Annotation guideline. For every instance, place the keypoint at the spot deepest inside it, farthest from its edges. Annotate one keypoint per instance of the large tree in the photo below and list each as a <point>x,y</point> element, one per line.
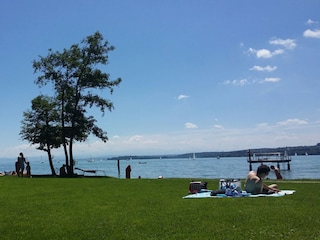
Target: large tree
<point>40,125</point>
<point>77,78</point>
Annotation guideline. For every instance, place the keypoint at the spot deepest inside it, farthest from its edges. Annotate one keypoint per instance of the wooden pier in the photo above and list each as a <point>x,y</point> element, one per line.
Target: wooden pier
<point>274,157</point>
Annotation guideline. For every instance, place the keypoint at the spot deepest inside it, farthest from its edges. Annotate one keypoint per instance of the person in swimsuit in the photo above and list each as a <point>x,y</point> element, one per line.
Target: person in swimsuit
<point>254,181</point>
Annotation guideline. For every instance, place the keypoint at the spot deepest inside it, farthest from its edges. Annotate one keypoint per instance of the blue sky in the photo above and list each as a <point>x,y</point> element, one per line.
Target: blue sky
<point>197,75</point>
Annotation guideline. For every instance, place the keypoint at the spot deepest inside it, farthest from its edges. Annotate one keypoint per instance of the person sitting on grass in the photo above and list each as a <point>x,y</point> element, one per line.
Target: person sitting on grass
<point>254,183</point>
<point>63,172</point>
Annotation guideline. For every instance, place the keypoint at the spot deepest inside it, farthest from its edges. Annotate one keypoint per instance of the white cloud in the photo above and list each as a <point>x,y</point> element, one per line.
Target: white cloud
<point>216,126</point>
<point>252,51</point>
<point>243,82</point>
<point>311,33</point>
<point>265,53</point>
<point>115,137</point>
<point>271,79</point>
<point>136,141</point>
<point>286,43</point>
<point>136,138</point>
<point>310,22</point>
<point>263,69</point>
<point>277,52</point>
<point>290,132</point>
<point>262,125</point>
<point>27,149</point>
<point>190,125</point>
<point>182,97</point>
<point>293,121</point>
<point>240,82</point>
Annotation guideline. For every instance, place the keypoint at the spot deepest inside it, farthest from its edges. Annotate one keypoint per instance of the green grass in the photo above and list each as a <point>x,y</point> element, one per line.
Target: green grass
<point>107,208</point>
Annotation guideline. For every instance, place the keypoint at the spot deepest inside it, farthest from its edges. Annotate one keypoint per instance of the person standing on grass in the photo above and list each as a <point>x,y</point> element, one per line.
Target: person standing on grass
<point>128,172</point>
<point>254,181</point>
<point>277,172</point>
<point>20,164</point>
<point>28,168</point>
<point>16,167</point>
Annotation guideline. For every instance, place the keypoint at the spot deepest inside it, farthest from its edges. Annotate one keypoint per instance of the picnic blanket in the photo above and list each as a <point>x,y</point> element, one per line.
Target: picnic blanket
<point>207,194</point>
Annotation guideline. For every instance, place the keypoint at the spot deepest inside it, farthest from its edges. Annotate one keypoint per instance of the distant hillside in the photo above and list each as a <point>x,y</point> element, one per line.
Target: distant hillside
<point>300,150</point>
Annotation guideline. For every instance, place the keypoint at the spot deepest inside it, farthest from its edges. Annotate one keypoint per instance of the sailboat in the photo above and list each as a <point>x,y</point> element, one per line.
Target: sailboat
<point>90,159</point>
<point>194,156</point>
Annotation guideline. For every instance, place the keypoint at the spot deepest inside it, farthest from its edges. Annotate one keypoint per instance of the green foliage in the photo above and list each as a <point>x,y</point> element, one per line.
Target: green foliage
<point>107,208</point>
<point>76,78</point>
<point>39,125</point>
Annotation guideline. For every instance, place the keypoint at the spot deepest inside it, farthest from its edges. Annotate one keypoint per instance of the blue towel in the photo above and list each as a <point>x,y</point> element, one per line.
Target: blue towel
<point>244,194</point>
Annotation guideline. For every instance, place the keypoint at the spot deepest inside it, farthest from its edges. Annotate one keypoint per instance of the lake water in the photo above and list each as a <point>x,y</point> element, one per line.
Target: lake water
<point>302,167</point>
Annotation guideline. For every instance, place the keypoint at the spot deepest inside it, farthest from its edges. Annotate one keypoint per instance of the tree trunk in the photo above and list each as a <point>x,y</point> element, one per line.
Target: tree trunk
<point>71,172</point>
<point>66,153</point>
<point>53,171</point>
<point>63,132</point>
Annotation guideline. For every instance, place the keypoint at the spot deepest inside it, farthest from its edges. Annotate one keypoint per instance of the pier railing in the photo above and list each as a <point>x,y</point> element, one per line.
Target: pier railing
<point>274,157</point>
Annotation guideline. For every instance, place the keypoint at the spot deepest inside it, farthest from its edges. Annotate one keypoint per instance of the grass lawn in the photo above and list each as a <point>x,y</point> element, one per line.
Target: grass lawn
<point>108,208</point>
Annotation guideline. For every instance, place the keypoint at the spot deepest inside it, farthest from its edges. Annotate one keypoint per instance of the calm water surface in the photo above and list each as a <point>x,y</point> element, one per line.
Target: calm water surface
<point>199,168</point>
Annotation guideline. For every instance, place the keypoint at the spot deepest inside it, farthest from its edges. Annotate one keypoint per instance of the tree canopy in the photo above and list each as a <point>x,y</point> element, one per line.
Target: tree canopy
<point>76,77</point>
<point>41,126</point>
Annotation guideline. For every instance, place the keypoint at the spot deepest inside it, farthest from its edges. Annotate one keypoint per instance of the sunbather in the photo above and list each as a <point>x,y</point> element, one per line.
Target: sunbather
<point>254,183</point>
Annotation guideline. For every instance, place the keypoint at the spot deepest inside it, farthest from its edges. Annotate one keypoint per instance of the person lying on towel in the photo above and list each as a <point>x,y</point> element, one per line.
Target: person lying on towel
<point>254,181</point>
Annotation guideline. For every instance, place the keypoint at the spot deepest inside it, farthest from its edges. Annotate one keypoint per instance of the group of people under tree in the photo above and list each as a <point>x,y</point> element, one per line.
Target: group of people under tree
<point>21,162</point>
